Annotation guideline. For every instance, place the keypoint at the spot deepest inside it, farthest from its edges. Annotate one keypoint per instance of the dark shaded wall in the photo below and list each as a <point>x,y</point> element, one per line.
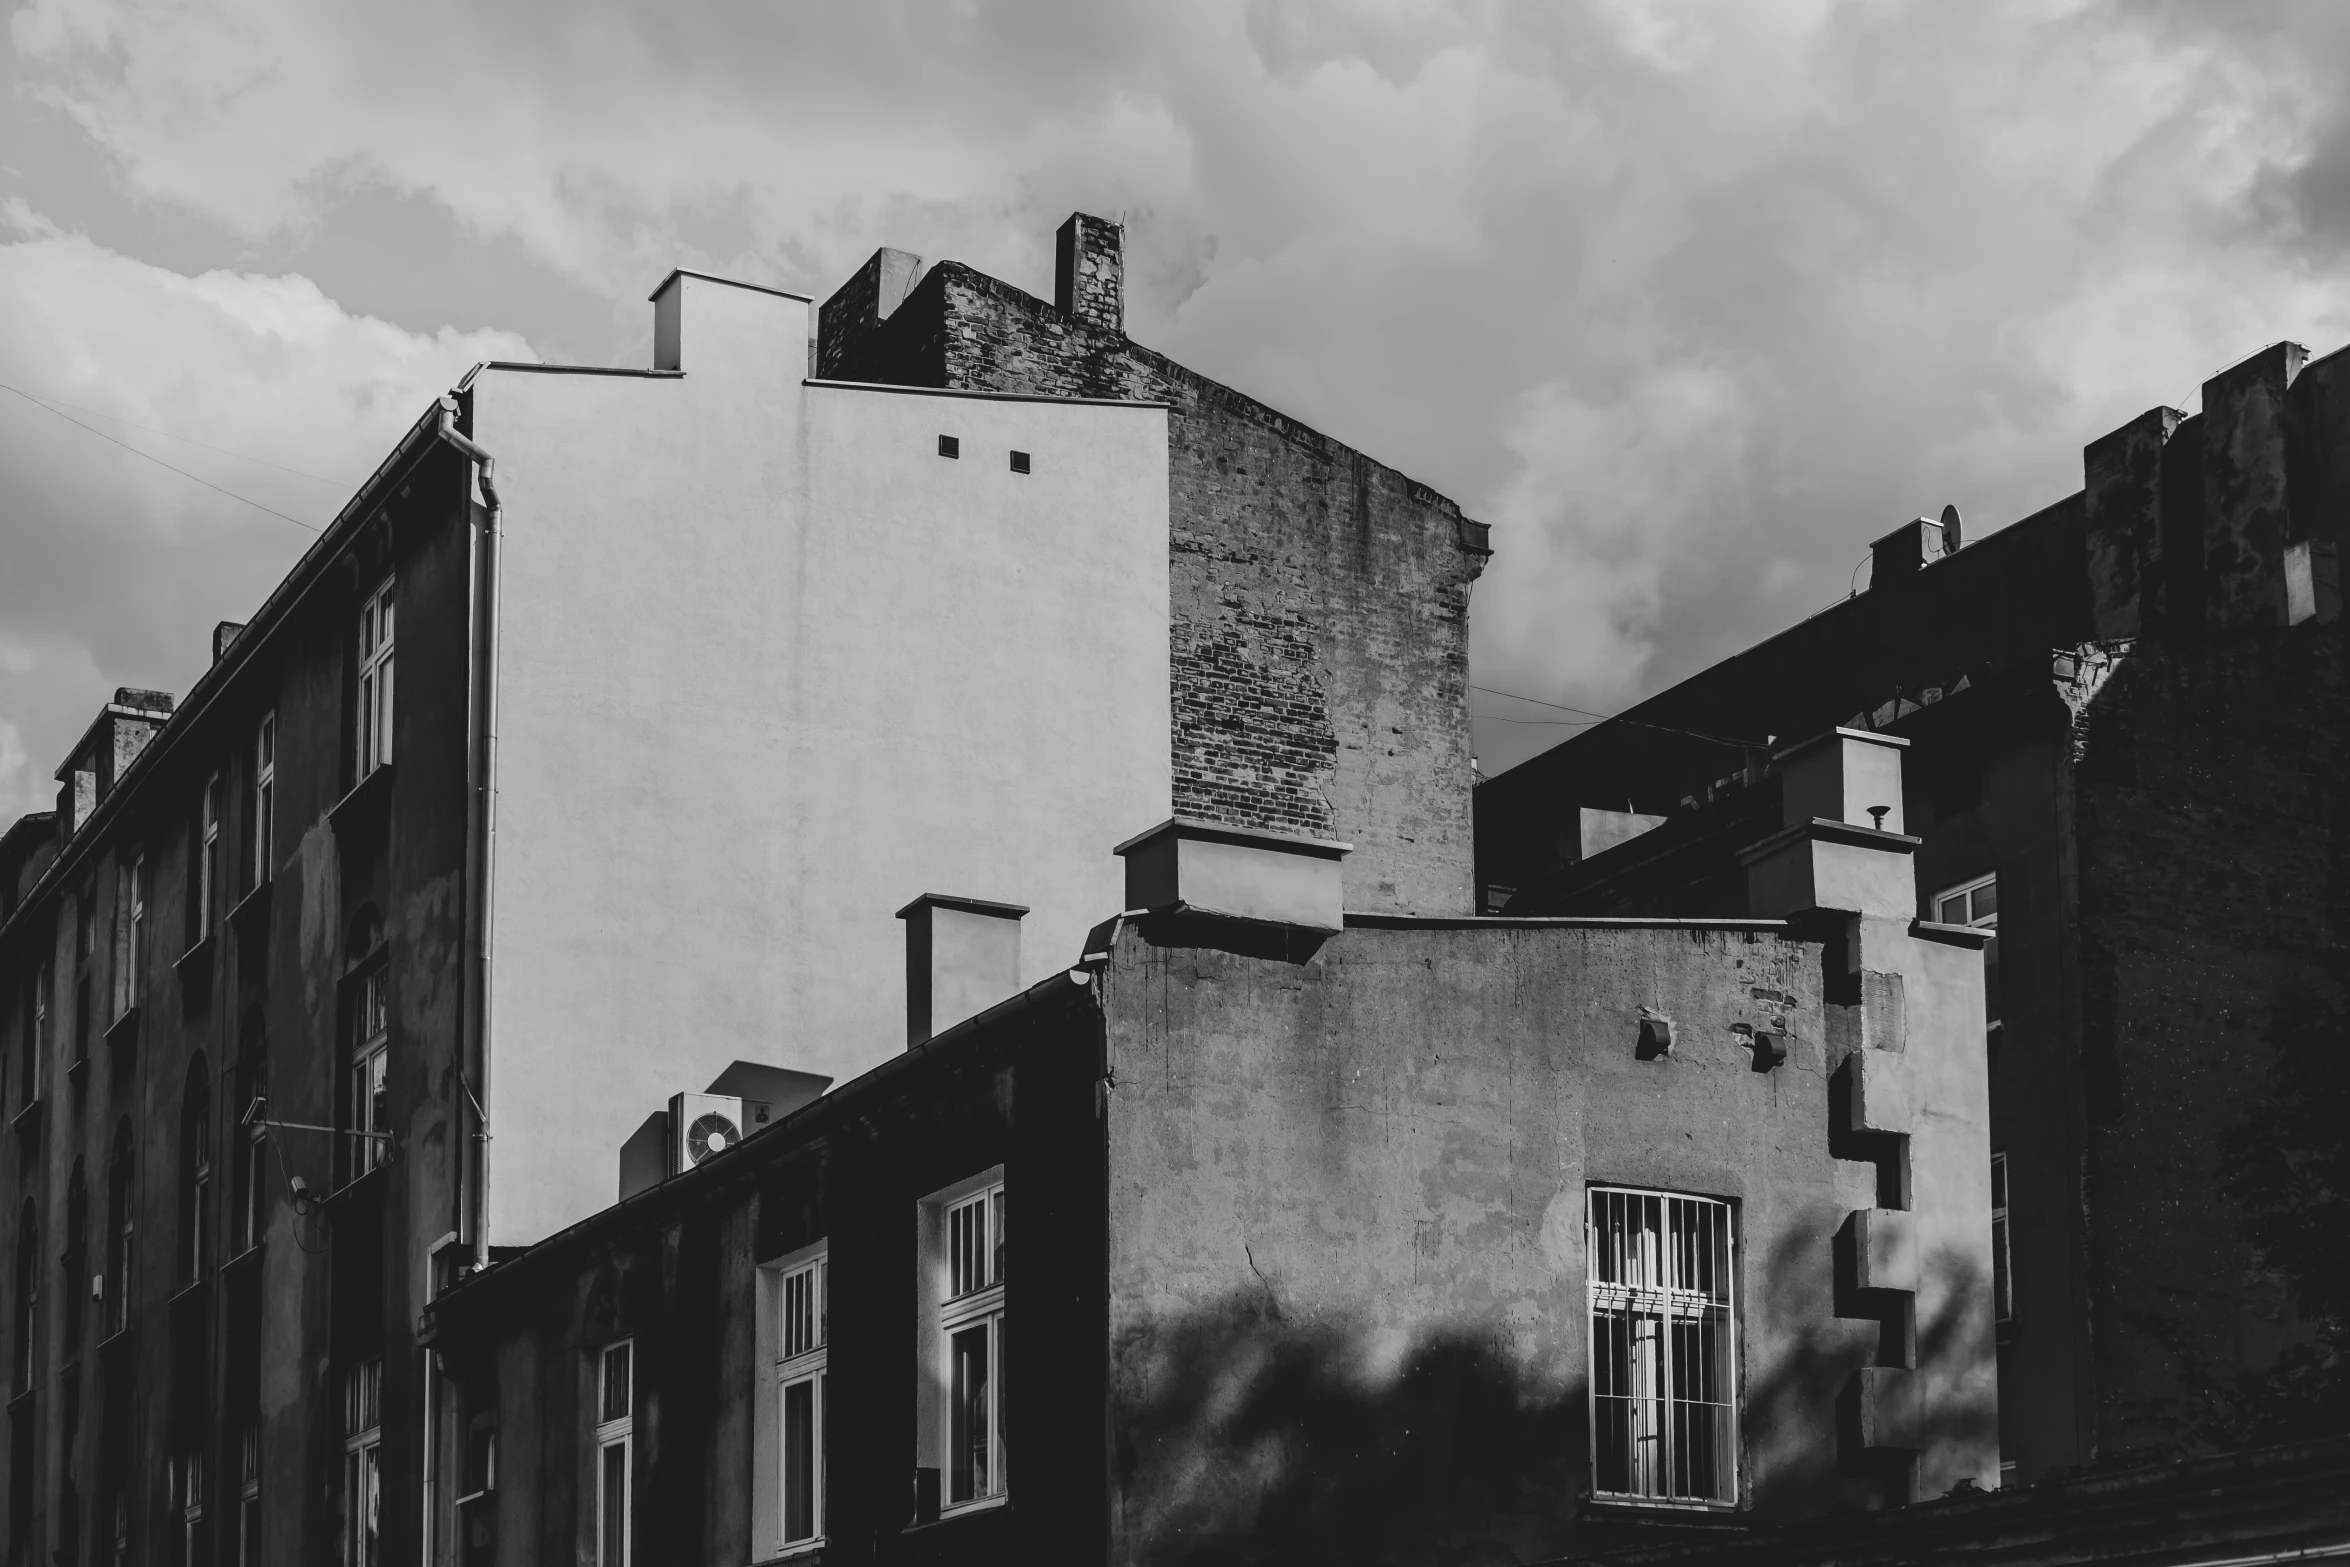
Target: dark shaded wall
<point>1319,598</point>
<point>2212,825</point>
<point>258,1338</point>
<point>1346,1217</point>
<point>676,1269</point>
<point>2192,588</point>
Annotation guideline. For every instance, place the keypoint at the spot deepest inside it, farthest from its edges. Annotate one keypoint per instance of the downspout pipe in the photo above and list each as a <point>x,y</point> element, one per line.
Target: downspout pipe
<point>481,767</point>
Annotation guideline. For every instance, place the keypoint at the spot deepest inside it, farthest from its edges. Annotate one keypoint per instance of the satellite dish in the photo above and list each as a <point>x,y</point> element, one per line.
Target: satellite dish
<point>1949,530</point>
<point>710,1134</point>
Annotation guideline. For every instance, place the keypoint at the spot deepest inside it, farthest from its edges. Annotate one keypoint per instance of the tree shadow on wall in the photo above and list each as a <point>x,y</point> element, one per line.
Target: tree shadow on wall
<point>2285,1165</point>
<point>1260,1440</point>
<point>1246,1437</point>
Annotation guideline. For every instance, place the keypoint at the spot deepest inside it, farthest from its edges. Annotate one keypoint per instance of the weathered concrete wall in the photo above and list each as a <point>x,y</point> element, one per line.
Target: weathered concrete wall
<point>770,667</point>
<point>1319,599</point>
<point>1346,1202</point>
<point>2213,838</point>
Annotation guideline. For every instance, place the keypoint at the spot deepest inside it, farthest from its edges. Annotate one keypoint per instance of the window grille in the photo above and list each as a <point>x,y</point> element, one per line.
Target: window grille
<point>1664,1412</point>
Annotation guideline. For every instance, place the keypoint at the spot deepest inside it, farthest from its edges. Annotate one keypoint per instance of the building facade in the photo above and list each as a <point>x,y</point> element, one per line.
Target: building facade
<point>563,774</point>
<point>2127,725</point>
<point>1360,1237</point>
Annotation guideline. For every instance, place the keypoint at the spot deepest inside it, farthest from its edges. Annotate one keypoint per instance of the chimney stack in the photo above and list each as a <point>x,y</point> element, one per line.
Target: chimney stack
<point>962,957</point>
<point>1089,272</point>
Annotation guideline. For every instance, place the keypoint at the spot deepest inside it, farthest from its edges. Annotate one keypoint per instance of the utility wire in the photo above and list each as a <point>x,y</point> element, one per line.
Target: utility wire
<point>159,462</point>
<point>59,402</point>
<point>1595,717</point>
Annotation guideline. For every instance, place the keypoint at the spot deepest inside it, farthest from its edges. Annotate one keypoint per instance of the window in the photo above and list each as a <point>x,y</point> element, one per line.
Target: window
<point>36,1036</point>
<point>251,1184</point>
<point>1976,903</point>
<point>122,1228</point>
<point>366,1111</point>
<point>363,1387</point>
<point>130,944</point>
<point>2002,1274</point>
<point>196,1176</point>
<point>375,680</point>
<point>798,1296</point>
<point>28,1298</point>
<point>1664,1413</point>
<point>188,1496</point>
<point>263,827</point>
<point>963,1427</point>
<point>615,1427</point>
<point>249,1498</point>
<point>204,874</point>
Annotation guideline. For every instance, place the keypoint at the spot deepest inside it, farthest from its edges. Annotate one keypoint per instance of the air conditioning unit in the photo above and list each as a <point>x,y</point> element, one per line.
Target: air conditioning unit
<point>702,1126</point>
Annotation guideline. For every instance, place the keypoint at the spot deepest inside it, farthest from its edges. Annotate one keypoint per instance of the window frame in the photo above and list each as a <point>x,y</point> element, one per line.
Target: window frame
<point>2002,1256</point>
<point>613,1432</point>
<point>374,687</point>
<point>187,1495</point>
<point>782,1367</point>
<point>262,801</point>
<point>950,1308</point>
<point>204,873</point>
<point>363,1077</point>
<point>363,1463</point>
<point>1633,1299</point>
<point>1992,1010</point>
<point>249,1497</point>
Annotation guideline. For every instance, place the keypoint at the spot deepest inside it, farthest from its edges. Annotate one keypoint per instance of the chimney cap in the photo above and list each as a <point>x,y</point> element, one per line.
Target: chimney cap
<point>940,900</point>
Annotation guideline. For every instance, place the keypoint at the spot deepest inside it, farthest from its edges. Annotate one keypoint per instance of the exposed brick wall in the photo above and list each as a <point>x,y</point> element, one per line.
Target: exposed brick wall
<point>2212,793</point>
<point>1319,599</point>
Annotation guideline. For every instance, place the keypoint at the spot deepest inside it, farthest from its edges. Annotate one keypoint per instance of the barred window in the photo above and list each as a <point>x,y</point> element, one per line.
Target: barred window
<point>1664,1411</point>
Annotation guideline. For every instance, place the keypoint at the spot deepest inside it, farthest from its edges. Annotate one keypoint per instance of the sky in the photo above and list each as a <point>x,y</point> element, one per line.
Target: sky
<point>1688,300</point>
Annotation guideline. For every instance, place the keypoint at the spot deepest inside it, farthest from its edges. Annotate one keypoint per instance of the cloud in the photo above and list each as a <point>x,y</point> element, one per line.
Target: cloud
<point>1691,297</point>
<point>117,568</point>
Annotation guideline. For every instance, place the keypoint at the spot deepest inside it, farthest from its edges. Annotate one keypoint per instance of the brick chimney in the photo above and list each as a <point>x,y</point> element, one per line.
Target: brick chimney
<point>1089,272</point>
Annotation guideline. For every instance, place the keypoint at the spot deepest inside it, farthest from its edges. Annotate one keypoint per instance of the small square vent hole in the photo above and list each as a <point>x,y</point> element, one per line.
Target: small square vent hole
<point>1019,462</point>
<point>949,446</point>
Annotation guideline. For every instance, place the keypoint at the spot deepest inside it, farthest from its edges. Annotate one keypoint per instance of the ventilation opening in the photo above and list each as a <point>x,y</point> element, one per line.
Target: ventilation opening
<point>1019,462</point>
<point>949,446</point>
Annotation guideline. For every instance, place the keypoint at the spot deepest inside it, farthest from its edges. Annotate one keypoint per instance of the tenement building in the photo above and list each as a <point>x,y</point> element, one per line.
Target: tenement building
<point>583,762</point>
<point>1345,1236</point>
<point>2126,717</point>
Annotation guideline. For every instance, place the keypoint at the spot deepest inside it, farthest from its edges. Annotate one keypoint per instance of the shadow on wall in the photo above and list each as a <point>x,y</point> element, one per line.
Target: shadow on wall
<point>2286,1166</point>
<point>1245,1436</point>
<point>1258,1439</point>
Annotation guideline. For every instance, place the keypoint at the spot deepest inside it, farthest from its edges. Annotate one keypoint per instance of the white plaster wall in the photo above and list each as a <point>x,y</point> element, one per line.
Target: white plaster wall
<point>771,667</point>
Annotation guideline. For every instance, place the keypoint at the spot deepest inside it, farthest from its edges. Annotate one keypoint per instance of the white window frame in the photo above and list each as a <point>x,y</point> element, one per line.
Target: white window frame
<point>207,869</point>
<point>363,1464</point>
<point>200,1195</point>
<point>37,1042</point>
<point>611,1432</point>
<point>1663,1265</point>
<point>794,1341</point>
<point>367,1071</point>
<point>373,731</point>
<point>2002,1260</point>
<point>264,799</point>
<point>1988,920</point>
<point>133,951</point>
<point>961,1290</point>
